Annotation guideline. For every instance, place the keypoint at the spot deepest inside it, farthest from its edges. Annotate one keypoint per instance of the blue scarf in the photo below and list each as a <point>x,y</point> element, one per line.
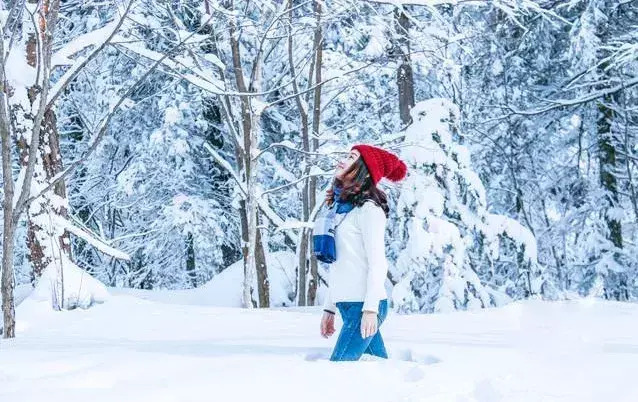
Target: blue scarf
<point>323,238</point>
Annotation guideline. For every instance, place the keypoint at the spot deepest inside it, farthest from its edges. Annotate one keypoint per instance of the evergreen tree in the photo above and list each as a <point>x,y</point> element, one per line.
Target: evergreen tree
<point>450,240</point>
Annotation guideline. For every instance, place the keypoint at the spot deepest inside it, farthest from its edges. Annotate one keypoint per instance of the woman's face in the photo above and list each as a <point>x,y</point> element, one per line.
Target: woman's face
<point>344,164</point>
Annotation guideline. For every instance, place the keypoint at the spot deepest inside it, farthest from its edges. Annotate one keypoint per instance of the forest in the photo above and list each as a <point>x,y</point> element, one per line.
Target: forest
<point>153,144</point>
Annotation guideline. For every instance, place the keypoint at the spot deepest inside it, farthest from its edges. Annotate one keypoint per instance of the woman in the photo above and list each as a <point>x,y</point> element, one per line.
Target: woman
<point>359,268</point>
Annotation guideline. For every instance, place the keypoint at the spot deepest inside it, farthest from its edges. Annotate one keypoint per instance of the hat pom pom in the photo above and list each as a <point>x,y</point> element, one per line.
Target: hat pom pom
<point>399,171</point>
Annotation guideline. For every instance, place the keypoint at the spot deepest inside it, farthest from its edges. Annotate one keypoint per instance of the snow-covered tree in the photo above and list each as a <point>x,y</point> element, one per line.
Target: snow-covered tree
<point>195,133</point>
<point>28,119</point>
<point>449,241</point>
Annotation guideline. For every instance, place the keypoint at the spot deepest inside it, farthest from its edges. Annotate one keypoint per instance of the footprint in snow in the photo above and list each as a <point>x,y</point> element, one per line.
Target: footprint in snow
<point>311,357</point>
<point>413,374</point>
<point>409,355</point>
<point>416,372</point>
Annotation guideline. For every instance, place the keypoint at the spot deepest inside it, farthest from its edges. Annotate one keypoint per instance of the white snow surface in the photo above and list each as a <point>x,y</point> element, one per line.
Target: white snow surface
<point>130,349</point>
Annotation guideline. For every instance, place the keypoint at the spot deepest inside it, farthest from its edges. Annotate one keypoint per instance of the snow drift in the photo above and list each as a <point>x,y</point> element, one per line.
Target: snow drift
<point>225,289</point>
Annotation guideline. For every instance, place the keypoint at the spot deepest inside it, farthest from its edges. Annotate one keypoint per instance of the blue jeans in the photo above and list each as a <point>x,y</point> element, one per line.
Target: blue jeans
<point>350,345</point>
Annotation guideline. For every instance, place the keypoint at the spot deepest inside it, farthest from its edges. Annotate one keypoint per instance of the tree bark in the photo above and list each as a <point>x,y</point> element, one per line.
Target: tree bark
<point>250,148</point>
<point>405,79</point>
<point>263,284</point>
<point>190,260</point>
<point>316,119</point>
<point>242,158</point>
<point>45,242</point>
<point>8,241</point>
<point>302,247</point>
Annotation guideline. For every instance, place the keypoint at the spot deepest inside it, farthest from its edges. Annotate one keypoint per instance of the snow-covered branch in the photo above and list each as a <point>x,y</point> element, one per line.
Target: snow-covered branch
<point>560,103</point>
<point>227,166</point>
<point>90,238</point>
<point>291,184</point>
<point>99,38</point>
<point>104,125</point>
<point>291,146</point>
<point>193,75</point>
<point>262,203</point>
<point>509,7</point>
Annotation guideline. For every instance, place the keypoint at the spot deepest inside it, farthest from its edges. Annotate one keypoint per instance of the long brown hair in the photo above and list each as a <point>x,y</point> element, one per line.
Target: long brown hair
<point>357,187</point>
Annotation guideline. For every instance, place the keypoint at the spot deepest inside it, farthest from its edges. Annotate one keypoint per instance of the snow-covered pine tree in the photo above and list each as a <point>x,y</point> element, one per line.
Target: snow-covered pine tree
<point>449,240</point>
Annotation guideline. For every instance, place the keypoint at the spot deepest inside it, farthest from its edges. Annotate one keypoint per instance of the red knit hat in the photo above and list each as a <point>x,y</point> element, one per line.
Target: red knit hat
<point>381,163</point>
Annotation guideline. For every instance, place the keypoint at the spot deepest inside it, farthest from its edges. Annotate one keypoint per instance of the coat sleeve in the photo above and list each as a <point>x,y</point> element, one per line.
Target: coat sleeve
<point>373,221</point>
<point>328,303</point>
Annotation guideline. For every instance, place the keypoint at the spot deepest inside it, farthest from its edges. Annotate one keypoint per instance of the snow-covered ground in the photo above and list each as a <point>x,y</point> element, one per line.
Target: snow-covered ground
<point>135,349</point>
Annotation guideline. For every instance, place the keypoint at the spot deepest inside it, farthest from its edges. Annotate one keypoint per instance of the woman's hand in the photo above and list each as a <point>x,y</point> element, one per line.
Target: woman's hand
<point>368,324</point>
<point>327,324</point>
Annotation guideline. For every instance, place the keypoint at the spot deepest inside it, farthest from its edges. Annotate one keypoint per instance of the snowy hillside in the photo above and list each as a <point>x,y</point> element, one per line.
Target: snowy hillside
<point>130,349</point>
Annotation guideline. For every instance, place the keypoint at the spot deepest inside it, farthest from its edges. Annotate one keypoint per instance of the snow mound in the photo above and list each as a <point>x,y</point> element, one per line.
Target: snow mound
<point>225,289</point>
<point>80,288</point>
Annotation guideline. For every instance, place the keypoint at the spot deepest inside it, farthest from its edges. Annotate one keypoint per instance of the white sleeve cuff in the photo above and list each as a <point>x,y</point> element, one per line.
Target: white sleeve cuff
<point>371,305</point>
<point>328,304</point>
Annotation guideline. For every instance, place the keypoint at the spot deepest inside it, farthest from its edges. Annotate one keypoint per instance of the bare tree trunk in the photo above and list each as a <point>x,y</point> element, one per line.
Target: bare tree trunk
<point>190,259</point>
<point>8,240</point>
<point>405,79</point>
<point>302,255</point>
<point>302,247</point>
<point>246,119</point>
<point>243,159</point>
<point>8,309</point>
<point>250,147</point>
<point>259,252</point>
<point>263,285</point>
<point>316,119</point>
